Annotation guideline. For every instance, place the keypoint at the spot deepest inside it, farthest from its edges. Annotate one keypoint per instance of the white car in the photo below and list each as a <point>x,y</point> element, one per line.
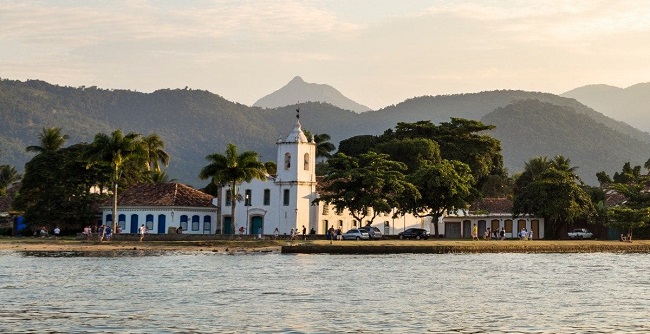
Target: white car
<point>580,233</point>
<point>356,234</point>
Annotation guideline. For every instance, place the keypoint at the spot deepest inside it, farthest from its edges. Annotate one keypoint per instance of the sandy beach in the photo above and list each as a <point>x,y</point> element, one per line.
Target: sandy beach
<point>324,246</point>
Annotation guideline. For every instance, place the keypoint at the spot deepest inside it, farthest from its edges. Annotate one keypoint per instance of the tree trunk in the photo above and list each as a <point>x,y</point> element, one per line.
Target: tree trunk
<point>233,202</point>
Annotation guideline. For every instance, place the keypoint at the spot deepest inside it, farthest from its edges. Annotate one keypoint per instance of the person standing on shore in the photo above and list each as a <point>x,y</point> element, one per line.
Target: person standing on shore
<point>100,233</point>
<point>475,233</point>
<point>143,229</point>
<point>275,234</point>
<point>304,232</point>
<point>57,231</point>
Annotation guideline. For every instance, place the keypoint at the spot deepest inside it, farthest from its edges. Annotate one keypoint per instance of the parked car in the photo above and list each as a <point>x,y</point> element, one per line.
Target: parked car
<point>377,233</point>
<point>356,234</point>
<point>580,233</point>
<point>414,233</point>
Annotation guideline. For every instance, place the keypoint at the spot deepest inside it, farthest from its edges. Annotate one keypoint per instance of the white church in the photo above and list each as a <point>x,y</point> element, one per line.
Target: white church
<point>284,201</point>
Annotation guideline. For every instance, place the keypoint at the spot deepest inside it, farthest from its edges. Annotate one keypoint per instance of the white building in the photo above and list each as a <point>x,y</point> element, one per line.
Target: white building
<point>163,208</point>
<point>284,201</point>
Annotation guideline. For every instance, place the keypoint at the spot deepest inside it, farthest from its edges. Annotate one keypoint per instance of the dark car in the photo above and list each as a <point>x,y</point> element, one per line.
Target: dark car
<point>414,233</point>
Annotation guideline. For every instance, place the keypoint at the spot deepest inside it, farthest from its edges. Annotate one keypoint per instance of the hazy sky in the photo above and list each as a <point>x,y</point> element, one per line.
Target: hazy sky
<point>375,52</point>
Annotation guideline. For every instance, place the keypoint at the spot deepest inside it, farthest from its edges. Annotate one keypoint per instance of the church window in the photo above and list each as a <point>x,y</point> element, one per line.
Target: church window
<point>267,197</point>
<point>286,198</point>
<point>306,161</point>
<point>287,160</point>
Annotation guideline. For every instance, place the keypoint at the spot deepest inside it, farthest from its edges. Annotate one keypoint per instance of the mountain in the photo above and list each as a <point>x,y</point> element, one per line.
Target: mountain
<point>195,123</point>
<point>297,90</point>
<point>631,104</point>
<point>532,128</point>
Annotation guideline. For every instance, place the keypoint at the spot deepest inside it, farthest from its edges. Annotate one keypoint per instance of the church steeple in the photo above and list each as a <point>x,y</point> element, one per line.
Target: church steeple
<point>297,135</point>
<point>296,156</point>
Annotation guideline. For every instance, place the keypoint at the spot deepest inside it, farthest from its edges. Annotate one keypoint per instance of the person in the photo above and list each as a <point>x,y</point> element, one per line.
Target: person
<point>331,233</point>
<point>57,231</point>
<point>502,234</point>
<point>87,232</point>
<point>530,235</point>
<point>291,235</point>
<point>259,233</point>
<point>622,238</point>
<point>100,232</point>
<point>179,230</point>
<point>486,234</point>
<point>371,232</point>
<point>475,233</point>
<point>339,234</point>
<point>304,232</point>
<point>312,233</point>
<point>143,229</point>
<point>109,233</point>
<point>275,233</point>
<point>241,230</point>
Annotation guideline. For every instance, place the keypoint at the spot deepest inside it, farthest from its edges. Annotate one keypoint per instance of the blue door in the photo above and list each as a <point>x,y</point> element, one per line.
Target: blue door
<point>161,224</point>
<point>226,225</point>
<point>256,224</point>
<point>134,224</point>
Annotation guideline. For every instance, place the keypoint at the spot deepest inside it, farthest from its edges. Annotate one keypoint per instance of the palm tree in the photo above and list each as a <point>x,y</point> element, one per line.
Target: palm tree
<point>233,169</point>
<point>323,145</point>
<point>564,165</point>
<point>50,140</point>
<point>8,175</point>
<point>154,147</point>
<point>115,150</point>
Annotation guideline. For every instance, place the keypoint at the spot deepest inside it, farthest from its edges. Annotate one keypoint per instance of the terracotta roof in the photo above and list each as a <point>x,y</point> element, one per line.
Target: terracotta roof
<point>162,194</point>
<point>492,205</point>
<point>5,203</point>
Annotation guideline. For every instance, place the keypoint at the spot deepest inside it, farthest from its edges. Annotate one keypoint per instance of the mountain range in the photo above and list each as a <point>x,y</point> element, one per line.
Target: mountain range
<point>630,105</point>
<point>195,123</point>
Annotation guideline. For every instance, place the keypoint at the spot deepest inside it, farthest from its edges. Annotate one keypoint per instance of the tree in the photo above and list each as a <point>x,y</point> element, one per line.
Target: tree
<point>628,218</point>
<point>446,186</point>
<point>413,152</point>
<point>232,169</point>
<point>555,196</point>
<point>117,151</point>
<point>55,189</point>
<point>8,175</point>
<point>367,185</point>
<point>50,139</point>
<point>155,153</point>
<point>323,145</point>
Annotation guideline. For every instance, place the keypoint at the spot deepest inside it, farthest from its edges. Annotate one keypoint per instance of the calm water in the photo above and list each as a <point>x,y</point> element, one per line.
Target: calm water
<point>274,293</point>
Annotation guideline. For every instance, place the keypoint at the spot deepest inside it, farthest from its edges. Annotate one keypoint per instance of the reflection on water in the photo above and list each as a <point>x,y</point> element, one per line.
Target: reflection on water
<point>273,293</point>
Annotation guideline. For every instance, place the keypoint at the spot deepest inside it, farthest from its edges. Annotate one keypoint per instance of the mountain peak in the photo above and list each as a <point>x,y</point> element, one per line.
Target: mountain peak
<point>299,90</point>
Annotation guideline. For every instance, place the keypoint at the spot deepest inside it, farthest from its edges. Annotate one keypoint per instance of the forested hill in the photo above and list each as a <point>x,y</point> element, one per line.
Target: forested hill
<point>631,104</point>
<point>533,128</point>
<point>195,123</point>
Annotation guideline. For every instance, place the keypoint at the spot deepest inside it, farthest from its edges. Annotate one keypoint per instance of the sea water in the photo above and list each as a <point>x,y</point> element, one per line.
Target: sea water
<point>274,293</point>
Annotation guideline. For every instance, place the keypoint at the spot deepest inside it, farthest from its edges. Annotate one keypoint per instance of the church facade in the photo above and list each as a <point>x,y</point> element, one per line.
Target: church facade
<point>285,201</point>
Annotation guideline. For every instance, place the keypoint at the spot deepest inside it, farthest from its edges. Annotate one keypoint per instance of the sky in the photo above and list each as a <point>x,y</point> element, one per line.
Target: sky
<point>375,52</point>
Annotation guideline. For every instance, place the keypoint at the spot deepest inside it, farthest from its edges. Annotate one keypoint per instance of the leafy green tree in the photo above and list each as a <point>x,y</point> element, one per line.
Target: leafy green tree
<point>323,146</point>
<point>628,218</point>
<point>50,139</point>
<point>357,145</point>
<point>271,167</point>
<point>56,189</point>
<point>367,185</point>
<point>555,196</point>
<point>233,169</point>
<point>603,178</point>
<point>155,152</point>
<point>628,174</point>
<point>446,186</point>
<point>120,152</point>
<point>413,152</point>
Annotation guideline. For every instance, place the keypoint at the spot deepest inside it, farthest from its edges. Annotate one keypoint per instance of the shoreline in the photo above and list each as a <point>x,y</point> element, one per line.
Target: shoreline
<point>386,246</point>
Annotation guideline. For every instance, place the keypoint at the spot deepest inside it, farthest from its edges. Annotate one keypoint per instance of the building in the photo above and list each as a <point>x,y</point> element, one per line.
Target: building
<point>285,200</point>
<point>493,213</point>
<point>163,208</point>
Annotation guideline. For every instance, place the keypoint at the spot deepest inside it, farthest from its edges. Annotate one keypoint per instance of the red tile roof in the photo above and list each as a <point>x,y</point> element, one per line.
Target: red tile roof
<point>162,194</point>
<point>492,205</point>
